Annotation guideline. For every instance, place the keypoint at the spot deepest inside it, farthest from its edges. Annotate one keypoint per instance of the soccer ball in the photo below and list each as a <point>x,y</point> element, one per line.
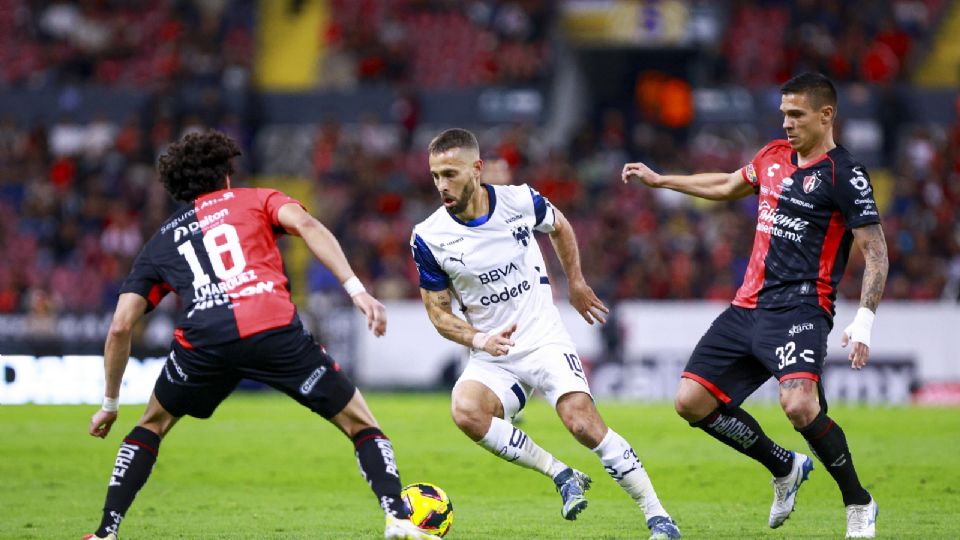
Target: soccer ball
<point>430,508</point>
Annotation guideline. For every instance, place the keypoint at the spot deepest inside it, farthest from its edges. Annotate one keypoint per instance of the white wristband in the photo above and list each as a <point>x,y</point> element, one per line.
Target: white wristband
<point>353,286</point>
<point>110,404</point>
<point>859,329</point>
<point>480,340</point>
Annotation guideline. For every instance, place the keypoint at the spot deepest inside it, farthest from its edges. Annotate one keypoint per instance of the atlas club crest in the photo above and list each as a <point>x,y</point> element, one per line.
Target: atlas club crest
<point>811,182</point>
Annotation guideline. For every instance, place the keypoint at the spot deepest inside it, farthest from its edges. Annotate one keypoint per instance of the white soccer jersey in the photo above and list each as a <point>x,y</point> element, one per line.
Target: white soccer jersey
<point>494,266</point>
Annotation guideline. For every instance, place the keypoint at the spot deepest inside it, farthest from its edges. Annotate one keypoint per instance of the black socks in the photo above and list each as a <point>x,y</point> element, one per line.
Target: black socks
<point>740,431</point>
<point>379,468</point>
<point>829,444</point>
<point>135,460</point>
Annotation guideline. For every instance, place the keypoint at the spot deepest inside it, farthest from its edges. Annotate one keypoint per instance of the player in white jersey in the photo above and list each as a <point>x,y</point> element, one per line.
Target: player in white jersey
<point>479,249</point>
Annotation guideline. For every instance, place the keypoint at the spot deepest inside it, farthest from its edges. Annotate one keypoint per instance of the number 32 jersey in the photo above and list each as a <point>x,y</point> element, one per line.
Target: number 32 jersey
<point>220,256</point>
<point>494,267</point>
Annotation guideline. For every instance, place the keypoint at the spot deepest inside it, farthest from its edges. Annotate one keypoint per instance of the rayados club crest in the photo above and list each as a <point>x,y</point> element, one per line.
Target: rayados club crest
<point>521,234</point>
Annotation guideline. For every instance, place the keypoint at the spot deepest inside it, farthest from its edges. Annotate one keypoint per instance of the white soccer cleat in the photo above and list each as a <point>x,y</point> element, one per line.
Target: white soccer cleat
<point>785,489</point>
<point>862,520</point>
<point>404,529</point>
<point>110,536</point>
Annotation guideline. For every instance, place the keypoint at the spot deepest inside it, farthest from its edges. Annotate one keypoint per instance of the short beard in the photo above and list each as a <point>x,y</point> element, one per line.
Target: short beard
<point>464,199</point>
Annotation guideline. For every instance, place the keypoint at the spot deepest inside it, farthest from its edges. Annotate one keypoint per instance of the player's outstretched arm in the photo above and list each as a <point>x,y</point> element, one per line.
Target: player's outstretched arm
<point>295,220</point>
<point>871,241</point>
<point>712,186</point>
<point>116,353</point>
<point>582,297</point>
<point>440,310</point>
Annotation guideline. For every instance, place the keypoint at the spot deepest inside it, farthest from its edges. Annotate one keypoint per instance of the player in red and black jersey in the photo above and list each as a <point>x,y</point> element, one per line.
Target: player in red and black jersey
<point>814,201</point>
<point>219,254</point>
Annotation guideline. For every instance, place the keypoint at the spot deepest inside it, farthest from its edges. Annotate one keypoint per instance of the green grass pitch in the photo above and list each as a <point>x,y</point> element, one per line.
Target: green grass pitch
<point>263,467</point>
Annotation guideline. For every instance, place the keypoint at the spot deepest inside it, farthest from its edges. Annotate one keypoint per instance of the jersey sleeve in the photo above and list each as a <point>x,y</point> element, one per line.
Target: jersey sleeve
<point>749,174</point>
<point>145,280</point>
<point>545,217</point>
<point>432,277</point>
<point>273,200</point>
<point>749,171</point>
<point>853,193</point>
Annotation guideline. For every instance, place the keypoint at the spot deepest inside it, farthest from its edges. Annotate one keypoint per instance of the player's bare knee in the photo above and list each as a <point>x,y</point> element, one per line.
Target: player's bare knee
<point>589,434</point>
<point>472,407</point>
<point>581,418</point>
<point>682,408</point>
<point>471,415</point>
<point>693,402</point>
<point>157,419</point>
<point>472,422</point>
<point>799,409</point>
<point>691,410</point>
<point>799,401</point>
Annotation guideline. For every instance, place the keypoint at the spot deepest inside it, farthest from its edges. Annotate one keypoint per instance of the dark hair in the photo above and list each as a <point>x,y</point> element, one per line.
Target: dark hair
<point>196,164</point>
<point>453,138</point>
<point>817,87</point>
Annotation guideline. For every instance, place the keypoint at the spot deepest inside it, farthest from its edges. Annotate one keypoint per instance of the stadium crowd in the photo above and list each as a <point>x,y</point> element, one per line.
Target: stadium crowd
<point>76,199</point>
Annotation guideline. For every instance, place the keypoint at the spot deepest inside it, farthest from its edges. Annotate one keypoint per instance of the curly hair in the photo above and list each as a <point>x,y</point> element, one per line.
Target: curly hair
<point>198,163</point>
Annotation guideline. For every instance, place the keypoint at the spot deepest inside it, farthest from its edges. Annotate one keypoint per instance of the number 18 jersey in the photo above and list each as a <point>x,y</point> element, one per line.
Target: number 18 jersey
<point>220,256</point>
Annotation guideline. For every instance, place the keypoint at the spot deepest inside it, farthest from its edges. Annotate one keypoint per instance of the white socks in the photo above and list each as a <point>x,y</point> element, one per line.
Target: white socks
<point>623,465</point>
<point>510,443</point>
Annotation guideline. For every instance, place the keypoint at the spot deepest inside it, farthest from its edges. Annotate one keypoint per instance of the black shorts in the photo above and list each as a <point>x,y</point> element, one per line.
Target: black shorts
<point>194,381</point>
<point>745,347</point>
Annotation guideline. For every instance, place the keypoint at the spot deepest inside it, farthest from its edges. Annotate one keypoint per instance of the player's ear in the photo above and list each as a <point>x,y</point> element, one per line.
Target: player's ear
<point>827,113</point>
<point>478,167</point>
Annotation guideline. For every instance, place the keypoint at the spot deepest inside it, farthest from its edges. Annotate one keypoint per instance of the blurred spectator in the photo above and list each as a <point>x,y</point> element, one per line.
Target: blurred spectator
<point>77,196</point>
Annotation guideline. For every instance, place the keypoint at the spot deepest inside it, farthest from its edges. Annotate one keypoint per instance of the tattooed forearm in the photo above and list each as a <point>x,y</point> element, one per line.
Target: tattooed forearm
<point>874,247</point>
<point>439,306</point>
<point>792,384</point>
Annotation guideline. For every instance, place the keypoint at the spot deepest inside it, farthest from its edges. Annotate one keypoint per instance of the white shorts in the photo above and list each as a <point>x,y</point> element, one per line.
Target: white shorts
<point>553,369</point>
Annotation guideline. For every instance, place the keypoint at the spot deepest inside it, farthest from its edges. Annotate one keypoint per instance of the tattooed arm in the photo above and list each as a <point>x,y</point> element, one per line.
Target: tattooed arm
<point>439,306</point>
<point>874,246</point>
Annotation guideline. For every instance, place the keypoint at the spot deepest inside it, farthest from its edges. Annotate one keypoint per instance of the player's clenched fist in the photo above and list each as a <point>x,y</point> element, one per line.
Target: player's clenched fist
<point>640,172</point>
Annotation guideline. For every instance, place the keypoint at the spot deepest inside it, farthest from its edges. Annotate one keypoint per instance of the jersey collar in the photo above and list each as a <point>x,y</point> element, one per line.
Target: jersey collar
<point>477,221</point>
<point>795,157</point>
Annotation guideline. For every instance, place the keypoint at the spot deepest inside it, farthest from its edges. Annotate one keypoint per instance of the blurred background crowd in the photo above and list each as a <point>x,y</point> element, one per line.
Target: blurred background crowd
<point>119,80</point>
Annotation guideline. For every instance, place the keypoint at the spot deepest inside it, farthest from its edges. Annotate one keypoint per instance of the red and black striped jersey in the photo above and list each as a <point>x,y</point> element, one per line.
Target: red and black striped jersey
<point>220,256</point>
<point>804,223</point>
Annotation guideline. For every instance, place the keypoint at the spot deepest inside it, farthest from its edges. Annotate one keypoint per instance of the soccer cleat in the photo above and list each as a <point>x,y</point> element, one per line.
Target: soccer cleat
<point>785,489</point>
<point>571,484</point>
<point>109,536</point>
<point>404,529</point>
<point>663,528</point>
<point>862,520</point>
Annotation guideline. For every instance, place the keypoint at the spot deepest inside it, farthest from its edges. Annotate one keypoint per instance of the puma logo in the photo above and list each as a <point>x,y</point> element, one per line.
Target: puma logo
<point>460,260</point>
